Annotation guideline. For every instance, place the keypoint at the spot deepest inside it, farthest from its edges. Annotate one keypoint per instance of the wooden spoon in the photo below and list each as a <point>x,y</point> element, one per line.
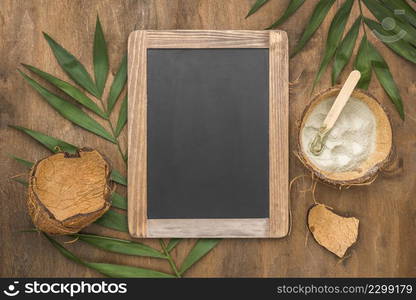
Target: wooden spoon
<point>317,145</point>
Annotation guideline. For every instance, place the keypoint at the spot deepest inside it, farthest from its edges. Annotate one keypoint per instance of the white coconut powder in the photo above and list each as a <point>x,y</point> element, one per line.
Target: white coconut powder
<point>351,140</point>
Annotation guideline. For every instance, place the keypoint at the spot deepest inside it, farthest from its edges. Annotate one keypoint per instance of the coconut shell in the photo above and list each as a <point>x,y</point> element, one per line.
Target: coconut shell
<point>69,192</point>
<point>334,232</point>
<point>379,159</point>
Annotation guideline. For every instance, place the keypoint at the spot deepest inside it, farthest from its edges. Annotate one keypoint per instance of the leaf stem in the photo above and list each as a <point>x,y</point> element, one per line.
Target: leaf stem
<point>170,259</point>
<point>116,138</point>
<point>362,16</point>
<point>113,131</point>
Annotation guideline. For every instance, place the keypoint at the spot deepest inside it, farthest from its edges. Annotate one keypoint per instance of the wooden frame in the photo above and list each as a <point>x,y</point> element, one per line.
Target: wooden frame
<point>277,225</point>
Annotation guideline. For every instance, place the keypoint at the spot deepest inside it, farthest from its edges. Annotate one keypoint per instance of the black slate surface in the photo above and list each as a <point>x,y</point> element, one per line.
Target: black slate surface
<point>208,133</point>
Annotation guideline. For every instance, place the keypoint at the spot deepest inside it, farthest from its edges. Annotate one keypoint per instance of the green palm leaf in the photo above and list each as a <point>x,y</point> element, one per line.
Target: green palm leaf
<point>401,47</point>
<point>386,79</point>
<point>293,6</point>
<point>75,70</point>
<point>172,244</point>
<point>70,111</point>
<point>201,248</point>
<point>117,177</point>
<point>345,50</point>
<point>119,246</point>
<point>100,58</point>
<point>402,30</point>
<point>409,14</point>
<point>363,64</point>
<point>24,162</point>
<point>256,7</point>
<point>113,220</point>
<point>118,201</point>
<point>53,144</point>
<point>21,181</point>
<point>122,117</point>
<point>70,90</point>
<point>335,33</point>
<point>111,270</point>
<point>318,16</point>
<point>117,85</point>
<point>122,271</point>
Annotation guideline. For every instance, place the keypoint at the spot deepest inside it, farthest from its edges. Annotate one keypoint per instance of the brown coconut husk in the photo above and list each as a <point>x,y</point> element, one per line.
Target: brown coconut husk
<point>67,192</point>
<point>332,231</point>
<point>380,159</point>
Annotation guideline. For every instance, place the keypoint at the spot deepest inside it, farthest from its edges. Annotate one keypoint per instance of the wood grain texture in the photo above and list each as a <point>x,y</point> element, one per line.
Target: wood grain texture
<point>137,134</point>
<point>386,209</point>
<point>278,133</point>
<point>278,220</point>
<point>208,228</point>
<point>208,39</point>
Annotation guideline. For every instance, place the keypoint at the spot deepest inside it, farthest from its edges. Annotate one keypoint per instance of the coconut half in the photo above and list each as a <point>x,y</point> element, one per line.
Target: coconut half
<point>359,145</point>
<point>68,192</point>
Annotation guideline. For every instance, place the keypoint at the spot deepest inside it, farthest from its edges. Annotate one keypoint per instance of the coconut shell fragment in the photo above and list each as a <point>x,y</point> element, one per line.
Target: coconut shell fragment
<point>69,192</point>
<point>334,232</point>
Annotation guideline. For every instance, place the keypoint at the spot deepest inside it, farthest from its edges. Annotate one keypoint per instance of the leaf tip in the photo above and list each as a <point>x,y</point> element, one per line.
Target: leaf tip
<point>401,113</point>
<point>46,36</point>
<point>24,75</point>
<point>294,53</point>
<point>97,22</point>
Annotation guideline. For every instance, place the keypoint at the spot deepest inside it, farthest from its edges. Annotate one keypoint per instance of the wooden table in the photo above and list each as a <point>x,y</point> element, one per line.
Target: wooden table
<point>386,209</point>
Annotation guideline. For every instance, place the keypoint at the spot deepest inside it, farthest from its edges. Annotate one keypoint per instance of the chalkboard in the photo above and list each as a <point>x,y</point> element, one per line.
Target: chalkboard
<point>207,133</point>
<point>204,108</point>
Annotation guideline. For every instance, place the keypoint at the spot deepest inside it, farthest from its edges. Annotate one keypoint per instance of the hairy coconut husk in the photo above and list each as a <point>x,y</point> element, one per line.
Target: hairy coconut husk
<point>69,192</point>
<point>381,157</point>
<point>331,231</point>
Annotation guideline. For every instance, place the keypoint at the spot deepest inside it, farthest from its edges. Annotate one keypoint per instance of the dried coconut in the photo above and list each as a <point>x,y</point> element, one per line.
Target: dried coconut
<point>334,232</point>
